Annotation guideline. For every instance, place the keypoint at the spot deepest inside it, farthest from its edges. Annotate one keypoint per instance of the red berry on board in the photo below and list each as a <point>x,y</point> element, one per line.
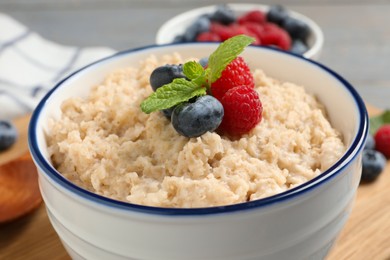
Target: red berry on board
<point>237,73</point>
<point>255,16</point>
<point>242,110</point>
<point>382,140</point>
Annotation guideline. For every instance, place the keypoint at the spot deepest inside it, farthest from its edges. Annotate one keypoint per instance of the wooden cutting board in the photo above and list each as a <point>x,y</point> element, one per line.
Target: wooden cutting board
<point>366,235</point>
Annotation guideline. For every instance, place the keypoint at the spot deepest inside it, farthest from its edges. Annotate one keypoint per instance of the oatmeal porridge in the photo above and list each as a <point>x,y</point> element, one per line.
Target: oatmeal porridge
<point>106,144</point>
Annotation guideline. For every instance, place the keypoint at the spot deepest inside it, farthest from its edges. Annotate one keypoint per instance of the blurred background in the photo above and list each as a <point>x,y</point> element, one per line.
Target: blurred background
<point>357,35</point>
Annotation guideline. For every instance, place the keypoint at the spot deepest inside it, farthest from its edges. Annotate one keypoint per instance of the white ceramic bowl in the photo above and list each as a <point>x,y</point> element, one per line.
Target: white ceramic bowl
<point>178,24</point>
<point>301,223</point>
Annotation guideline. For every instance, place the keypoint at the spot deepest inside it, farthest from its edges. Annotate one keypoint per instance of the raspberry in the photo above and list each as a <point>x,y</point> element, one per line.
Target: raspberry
<point>237,73</point>
<point>242,110</point>
<point>255,16</point>
<point>382,140</point>
<point>274,35</point>
<point>208,37</point>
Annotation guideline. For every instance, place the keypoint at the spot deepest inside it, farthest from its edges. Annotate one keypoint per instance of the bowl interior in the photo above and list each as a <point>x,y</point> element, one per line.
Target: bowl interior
<point>345,108</point>
<point>179,23</point>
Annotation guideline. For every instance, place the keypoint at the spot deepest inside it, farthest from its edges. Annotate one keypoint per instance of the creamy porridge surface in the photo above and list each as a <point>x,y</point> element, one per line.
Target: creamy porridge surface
<point>107,145</point>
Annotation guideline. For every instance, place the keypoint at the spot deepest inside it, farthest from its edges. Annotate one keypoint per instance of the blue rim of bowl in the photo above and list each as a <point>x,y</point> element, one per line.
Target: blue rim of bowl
<point>332,172</point>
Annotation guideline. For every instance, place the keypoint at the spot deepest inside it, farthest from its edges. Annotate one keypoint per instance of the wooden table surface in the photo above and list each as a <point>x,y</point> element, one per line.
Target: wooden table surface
<point>357,45</point>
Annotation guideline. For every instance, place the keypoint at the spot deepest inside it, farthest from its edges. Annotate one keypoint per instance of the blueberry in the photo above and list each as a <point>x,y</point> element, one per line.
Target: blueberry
<point>179,38</point>
<point>298,47</point>
<point>374,163</point>
<point>202,24</point>
<point>195,119</point>
<point>8,134</point>
<point>168,112</point>
<point>277,14</point>
<point>370,143</point>
<point>223,15</point>
<point>165,74</point>
<point>296,28</point>
<point>204,62</point>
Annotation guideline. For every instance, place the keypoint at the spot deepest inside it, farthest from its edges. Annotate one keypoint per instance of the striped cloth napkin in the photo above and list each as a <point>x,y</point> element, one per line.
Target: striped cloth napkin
<point>31,65</point>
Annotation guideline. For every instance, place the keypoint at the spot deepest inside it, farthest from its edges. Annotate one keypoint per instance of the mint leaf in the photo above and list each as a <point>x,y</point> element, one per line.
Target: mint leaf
<point>226,53</point>
<point>193,70</point>
<point>377,121</point>
<point>169,95</point>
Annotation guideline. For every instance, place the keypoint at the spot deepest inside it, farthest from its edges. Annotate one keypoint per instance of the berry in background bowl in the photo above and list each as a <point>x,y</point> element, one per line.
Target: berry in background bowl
<point>301,222</point>
<point>274,26</point>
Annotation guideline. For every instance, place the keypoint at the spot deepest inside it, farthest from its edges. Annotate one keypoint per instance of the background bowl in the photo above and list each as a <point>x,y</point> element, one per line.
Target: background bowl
<point>301,223</point>
<point>178,24</point>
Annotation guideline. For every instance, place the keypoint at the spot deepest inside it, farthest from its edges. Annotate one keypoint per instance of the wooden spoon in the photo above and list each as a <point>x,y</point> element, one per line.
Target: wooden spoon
<point>19,191</point>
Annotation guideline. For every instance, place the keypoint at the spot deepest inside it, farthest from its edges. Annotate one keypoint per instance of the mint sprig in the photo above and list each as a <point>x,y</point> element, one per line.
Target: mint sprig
<point>169,95</point>
<point>199,79</point>
<point>193,70</point>
<point>377,121</point>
